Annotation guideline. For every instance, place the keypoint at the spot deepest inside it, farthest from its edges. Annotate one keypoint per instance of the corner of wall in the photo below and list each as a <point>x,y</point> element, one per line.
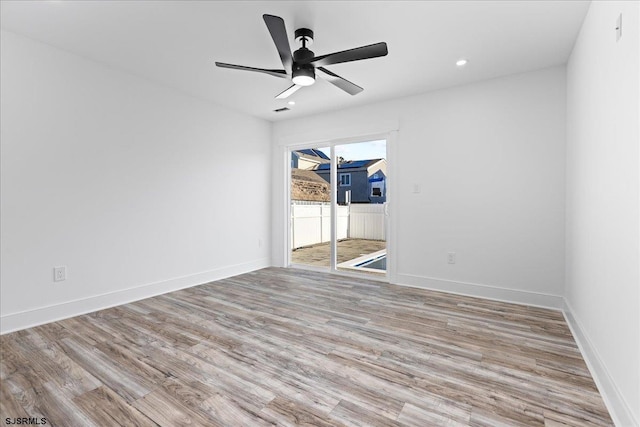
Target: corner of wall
<point>619,408</point>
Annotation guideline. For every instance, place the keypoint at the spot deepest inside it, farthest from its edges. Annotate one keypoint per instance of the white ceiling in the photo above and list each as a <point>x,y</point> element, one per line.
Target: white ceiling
<point>175,43</point>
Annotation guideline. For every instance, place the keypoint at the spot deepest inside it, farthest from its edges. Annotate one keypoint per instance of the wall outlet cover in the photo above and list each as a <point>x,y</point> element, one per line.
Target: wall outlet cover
<point>59,273</point>
<point>451,257</point>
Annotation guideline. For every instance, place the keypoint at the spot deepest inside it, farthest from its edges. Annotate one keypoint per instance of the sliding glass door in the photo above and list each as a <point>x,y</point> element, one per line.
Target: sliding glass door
<point>361,175</point>
<point>311,213</point>
<point>338,200</point>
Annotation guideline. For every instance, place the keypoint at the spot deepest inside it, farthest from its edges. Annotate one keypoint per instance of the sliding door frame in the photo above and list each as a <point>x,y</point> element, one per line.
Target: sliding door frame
<point>390,223</point>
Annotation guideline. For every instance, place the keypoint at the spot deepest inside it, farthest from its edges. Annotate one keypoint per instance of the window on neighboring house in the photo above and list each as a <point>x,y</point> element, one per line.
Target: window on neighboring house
<point>376,192</point>
<point>345,179</point>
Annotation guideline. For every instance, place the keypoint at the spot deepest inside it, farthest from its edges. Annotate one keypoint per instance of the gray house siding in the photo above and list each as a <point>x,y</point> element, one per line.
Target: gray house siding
<point>360,182</point>
<point>381,184</point>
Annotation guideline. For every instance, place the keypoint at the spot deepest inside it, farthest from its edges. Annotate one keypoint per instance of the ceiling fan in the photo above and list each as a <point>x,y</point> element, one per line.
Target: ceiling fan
<point>302,65</point>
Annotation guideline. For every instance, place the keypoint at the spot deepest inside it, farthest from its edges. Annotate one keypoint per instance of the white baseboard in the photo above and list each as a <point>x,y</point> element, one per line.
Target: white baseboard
<point>618,408</point>
<point>27,319</point>
<point>535,299</point>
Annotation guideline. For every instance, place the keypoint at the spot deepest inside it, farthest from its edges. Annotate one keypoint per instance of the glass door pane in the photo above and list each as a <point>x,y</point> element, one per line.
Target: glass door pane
<point>310,196</point>
<point>361,185</point>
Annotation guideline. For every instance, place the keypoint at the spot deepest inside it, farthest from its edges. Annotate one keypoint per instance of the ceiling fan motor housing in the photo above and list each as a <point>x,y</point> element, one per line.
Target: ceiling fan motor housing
<point>303,73</point>
<point>303,55</point>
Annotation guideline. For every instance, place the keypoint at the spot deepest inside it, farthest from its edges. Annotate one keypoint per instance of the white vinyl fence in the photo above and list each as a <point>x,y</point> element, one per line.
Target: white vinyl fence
<point>366,221</point>
<point>311,223</point>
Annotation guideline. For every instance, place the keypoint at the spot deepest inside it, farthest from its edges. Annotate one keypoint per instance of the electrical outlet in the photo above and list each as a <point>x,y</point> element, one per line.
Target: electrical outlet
<point>59,273</point>
<point>451,257</point>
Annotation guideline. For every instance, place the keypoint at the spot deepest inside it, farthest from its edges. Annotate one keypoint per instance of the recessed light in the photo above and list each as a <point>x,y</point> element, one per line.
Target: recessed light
<point>291,102</point>
<point>461,62</point>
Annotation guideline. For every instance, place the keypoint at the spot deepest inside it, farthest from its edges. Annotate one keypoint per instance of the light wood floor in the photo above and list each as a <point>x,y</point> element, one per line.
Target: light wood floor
<point>287,347</point>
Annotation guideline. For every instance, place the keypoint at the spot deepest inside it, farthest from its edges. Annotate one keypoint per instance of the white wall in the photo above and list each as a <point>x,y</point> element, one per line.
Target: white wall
<point>602,202</point>
<point>136,188</point>
<point>490,161</point>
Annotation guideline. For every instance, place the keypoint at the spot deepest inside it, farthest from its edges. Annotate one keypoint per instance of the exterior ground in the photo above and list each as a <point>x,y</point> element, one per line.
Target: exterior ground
<point>348,249</point>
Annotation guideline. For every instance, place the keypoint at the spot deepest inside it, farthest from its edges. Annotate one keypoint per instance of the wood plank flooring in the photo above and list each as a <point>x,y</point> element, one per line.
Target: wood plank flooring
<point>288,347</point>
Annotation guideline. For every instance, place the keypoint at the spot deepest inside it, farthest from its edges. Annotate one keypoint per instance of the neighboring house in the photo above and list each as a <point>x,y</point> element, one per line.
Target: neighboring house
<point>307,185</point>
<point>363,180</point>
<point>308,159</point>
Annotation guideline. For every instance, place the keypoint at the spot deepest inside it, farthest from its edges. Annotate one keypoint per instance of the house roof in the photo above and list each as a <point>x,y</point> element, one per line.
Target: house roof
<point>306,175</point>
<point>351,164</point>
<point>307,185</point>
<point>312,155</point>
<point>313,152</point>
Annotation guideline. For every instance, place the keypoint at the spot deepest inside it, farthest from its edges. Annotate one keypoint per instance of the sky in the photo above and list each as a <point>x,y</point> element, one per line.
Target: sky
<point>360,150</point>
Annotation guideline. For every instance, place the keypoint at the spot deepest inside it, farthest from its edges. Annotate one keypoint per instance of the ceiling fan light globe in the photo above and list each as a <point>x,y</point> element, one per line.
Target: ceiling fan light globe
<point>303,75</point>
<point>304,80</point>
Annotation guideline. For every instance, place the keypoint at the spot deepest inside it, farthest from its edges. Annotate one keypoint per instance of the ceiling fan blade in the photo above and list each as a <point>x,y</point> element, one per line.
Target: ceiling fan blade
<point>356,54</point>
<point>287,92</point>
<point>278,32</point>
<point>342,83</point>
<point>276,73</point>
